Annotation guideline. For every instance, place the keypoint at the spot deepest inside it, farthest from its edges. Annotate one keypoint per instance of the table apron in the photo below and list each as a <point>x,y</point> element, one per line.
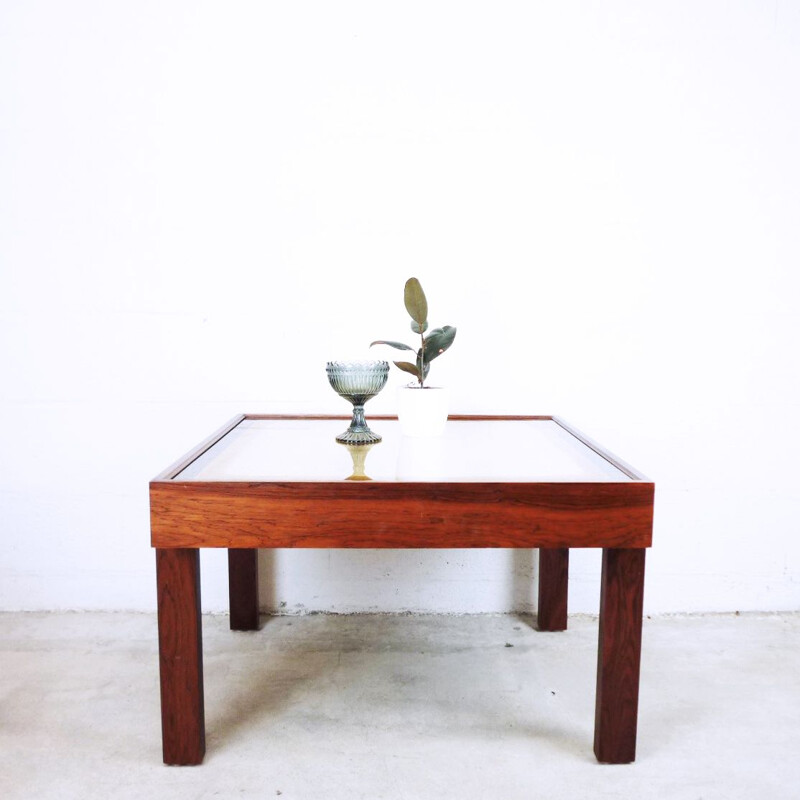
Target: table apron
<point>417,516</point>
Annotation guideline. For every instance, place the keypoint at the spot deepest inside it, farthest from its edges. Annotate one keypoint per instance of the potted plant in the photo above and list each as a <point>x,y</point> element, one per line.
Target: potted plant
<point>422,409</point>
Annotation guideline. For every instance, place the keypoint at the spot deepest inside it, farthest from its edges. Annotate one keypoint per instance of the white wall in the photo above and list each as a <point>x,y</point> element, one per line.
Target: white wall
<point>602,197</point>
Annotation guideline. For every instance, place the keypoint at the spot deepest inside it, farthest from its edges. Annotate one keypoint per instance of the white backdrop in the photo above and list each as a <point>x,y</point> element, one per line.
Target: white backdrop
<point>201,203</point>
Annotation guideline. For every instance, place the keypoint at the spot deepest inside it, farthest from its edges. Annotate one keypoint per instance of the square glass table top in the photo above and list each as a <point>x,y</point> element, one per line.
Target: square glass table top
<point>471,450</point>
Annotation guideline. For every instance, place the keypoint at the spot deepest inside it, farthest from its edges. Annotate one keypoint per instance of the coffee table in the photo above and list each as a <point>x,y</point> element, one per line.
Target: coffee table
<point>283,481</point>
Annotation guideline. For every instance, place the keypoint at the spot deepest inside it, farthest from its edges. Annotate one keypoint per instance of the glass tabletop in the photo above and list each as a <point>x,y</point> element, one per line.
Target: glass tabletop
<point>498,450</point>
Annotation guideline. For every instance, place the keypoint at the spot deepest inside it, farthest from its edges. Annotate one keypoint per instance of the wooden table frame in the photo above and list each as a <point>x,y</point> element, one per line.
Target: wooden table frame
<point>244,516</point>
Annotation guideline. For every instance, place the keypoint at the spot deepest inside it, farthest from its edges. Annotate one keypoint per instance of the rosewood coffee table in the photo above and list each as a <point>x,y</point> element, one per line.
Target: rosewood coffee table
<point>283,481</point>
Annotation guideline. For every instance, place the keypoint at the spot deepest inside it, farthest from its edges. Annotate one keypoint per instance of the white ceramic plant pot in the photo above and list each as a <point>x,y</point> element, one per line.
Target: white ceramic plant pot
<point>422,412</point>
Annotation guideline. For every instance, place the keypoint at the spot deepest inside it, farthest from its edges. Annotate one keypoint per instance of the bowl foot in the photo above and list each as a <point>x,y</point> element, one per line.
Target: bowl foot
<point>362,436</point>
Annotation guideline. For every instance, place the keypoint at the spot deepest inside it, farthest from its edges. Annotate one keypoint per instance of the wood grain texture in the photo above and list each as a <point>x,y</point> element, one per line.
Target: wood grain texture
<point>400,515</point>
<point>618,655</point>
<point>553,585</point>
<point>243,589</point>
<point>180,646</point>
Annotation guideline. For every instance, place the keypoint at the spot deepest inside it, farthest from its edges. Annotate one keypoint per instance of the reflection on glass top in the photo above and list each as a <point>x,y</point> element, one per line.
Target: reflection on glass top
<point>469,451</point>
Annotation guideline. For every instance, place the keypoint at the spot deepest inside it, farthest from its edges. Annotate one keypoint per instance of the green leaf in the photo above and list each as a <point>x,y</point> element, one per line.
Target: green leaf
<point>416,304</point>
<point>408,367</point>
<point>417,328</point>
<point>396,345</point>
<point>437,341</point>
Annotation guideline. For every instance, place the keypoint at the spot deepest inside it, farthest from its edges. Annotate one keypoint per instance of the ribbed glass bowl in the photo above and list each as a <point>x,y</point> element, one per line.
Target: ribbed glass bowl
<point>358,381</point>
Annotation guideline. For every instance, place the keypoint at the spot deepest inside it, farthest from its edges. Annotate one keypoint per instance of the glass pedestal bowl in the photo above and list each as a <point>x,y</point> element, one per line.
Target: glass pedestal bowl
<point>358,381</point>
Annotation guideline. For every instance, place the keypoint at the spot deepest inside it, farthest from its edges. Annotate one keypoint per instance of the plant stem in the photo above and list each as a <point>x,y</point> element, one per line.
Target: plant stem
<point>422,360</point>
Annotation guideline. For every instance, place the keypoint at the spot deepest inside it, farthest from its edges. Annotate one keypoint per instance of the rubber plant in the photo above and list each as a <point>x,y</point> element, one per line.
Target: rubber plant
<point>432,345</point>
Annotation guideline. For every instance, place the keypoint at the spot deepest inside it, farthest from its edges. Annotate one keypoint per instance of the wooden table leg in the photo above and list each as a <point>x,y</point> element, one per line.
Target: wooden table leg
<point>180,647</point>
<point>553,582</point>
<point>243,588</point>
<point>618,656</point>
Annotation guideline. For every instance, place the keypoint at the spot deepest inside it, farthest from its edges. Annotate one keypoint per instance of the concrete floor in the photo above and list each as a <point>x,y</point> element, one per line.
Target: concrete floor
<point>399,707</point>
